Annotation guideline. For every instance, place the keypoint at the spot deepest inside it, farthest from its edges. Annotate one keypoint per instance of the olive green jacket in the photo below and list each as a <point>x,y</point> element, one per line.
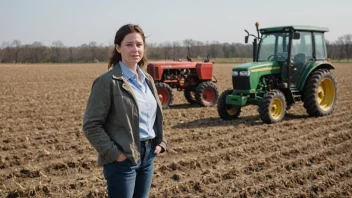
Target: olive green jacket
<point>111,119</point>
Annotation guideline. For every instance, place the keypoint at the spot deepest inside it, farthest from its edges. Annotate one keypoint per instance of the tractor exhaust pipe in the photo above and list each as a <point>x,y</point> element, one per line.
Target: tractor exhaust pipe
<point>255,50</point>
<point>255,42</point>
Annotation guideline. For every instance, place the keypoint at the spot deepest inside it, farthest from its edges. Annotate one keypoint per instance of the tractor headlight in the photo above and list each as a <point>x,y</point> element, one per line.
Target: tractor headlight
<point>244,73</point>
<point>234,73</point>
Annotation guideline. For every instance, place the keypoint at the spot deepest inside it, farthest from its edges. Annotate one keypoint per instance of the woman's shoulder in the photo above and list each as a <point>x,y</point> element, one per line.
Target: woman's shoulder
<point>106,75</point>
<point>104,78</point>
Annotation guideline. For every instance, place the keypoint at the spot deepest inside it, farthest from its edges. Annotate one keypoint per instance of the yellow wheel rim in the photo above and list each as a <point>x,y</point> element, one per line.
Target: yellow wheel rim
<point>231,110</point>
<point>276,108</point>
<point>326,94</point>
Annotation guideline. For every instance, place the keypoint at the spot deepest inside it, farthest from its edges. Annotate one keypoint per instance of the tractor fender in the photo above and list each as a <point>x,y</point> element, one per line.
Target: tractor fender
<point>310,68</point>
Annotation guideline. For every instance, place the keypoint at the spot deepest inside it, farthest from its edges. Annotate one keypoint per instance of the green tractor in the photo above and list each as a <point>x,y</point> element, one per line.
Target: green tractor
<point>290,65</point>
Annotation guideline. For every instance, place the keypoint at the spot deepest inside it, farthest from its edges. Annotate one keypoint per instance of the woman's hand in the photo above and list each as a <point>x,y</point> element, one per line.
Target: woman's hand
<point>157,150</point>
<point>121,158</point>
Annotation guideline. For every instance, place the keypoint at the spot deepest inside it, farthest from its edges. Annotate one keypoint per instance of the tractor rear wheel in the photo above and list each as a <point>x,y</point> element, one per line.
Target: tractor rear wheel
<point>166,96</point>
<point>190,93</point>
<point>225,111</point>
<point>320,93</point>
<point>207,94</point>
<point>272,108</point>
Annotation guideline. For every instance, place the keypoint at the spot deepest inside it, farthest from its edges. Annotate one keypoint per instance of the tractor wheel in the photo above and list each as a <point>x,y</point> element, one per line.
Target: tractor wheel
<point>225,111</point>
<point>272,108</point>
<point>190,93</point>
<point>320,93</point>
<point>165,93</point>
<point>207,94</point>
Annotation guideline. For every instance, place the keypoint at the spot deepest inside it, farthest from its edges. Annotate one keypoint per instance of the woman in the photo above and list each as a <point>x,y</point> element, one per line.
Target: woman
<point>123,118</point>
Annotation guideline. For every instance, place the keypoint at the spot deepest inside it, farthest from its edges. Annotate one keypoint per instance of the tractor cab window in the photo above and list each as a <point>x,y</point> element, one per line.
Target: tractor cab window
<point>302,48</point>
<point>320,49</point>
<point>274,47</point>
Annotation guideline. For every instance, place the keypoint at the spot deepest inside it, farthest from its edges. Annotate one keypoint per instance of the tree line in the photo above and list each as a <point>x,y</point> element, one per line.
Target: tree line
<point>15,52</point>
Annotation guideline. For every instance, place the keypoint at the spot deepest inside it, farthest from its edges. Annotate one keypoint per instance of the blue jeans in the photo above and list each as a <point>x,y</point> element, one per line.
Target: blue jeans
<point>127,180</point>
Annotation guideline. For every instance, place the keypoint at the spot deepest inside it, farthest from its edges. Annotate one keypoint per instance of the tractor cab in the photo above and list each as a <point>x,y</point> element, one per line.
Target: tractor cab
<point>292,48</point>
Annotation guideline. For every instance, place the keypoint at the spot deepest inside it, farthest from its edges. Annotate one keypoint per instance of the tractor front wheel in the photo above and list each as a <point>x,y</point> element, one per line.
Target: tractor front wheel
<point>272,108</point>
<point>320,93</point>
<point>166,96</point>
<point>226,111</point>
<point>190,93</point>
<point>207,94</point>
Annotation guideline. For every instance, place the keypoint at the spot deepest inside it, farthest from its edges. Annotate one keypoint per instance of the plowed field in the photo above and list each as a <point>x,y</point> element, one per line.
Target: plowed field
<point>43,151</point>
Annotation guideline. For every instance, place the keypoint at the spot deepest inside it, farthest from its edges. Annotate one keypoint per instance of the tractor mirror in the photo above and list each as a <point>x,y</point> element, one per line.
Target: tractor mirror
<point>296,36</point>
<point>246,39</point>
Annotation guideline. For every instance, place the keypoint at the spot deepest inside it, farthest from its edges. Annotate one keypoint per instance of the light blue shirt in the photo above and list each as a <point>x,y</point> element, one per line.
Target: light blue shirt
<point>145,101</point>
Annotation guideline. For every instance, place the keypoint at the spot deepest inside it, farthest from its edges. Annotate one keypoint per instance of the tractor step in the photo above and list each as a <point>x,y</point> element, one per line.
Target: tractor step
<point>296,95</point>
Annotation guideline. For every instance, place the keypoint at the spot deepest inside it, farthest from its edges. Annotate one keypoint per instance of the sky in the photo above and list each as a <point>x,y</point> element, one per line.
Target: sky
<point>77,22</point>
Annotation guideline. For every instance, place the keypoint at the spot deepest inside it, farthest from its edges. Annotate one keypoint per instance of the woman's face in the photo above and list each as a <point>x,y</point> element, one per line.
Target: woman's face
<point>131,49</point>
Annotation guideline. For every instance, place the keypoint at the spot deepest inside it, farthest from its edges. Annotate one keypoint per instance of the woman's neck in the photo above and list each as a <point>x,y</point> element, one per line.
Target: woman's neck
<point>132,67</point>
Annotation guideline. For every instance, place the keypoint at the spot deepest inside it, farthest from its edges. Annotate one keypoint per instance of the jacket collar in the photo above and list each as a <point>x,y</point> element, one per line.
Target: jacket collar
<point>117,73</point>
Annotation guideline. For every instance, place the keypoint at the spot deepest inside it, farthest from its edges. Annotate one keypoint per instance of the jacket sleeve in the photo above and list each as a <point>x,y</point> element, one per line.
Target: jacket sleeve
<point>97,110</point>
<point>163,145</point>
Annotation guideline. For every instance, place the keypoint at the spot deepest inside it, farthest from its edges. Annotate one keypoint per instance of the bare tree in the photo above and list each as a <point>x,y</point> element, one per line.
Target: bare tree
<point>344,44</point>
<point>166,50</point>
<point>83,53</point>
<point>57,47</point>
<point>93,50</point>
<point>38,52</point>
<point>340,44</point>
<point>229,50</point>
<point>199,49</point>
<point>16,45</point>
<point>329,48</point>
<point>176,47</point>
<point>347,45</point>
<point>215,50</point>
<point>6,51</point>
<point>189,44</point>
<point>71,52</point>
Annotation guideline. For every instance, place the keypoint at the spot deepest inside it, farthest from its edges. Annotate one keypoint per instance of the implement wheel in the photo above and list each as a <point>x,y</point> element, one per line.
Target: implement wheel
<point>166,96</point>
<point>320,93</point>
<point>225,111</point>
<point>272,108</point>
<point>207,94</point>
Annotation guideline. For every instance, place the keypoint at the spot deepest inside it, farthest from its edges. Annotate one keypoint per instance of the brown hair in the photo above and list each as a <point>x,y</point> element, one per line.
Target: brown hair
<point>120,35</point>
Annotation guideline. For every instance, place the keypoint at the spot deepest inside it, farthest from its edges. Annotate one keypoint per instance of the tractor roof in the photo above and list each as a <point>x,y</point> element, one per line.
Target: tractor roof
<point>296,27</point>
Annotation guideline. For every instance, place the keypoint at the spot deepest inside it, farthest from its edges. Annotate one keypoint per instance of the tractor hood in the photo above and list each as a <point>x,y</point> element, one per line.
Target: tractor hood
<point>257,66</point>
<point>174,64</point>
<point>245,77</point>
